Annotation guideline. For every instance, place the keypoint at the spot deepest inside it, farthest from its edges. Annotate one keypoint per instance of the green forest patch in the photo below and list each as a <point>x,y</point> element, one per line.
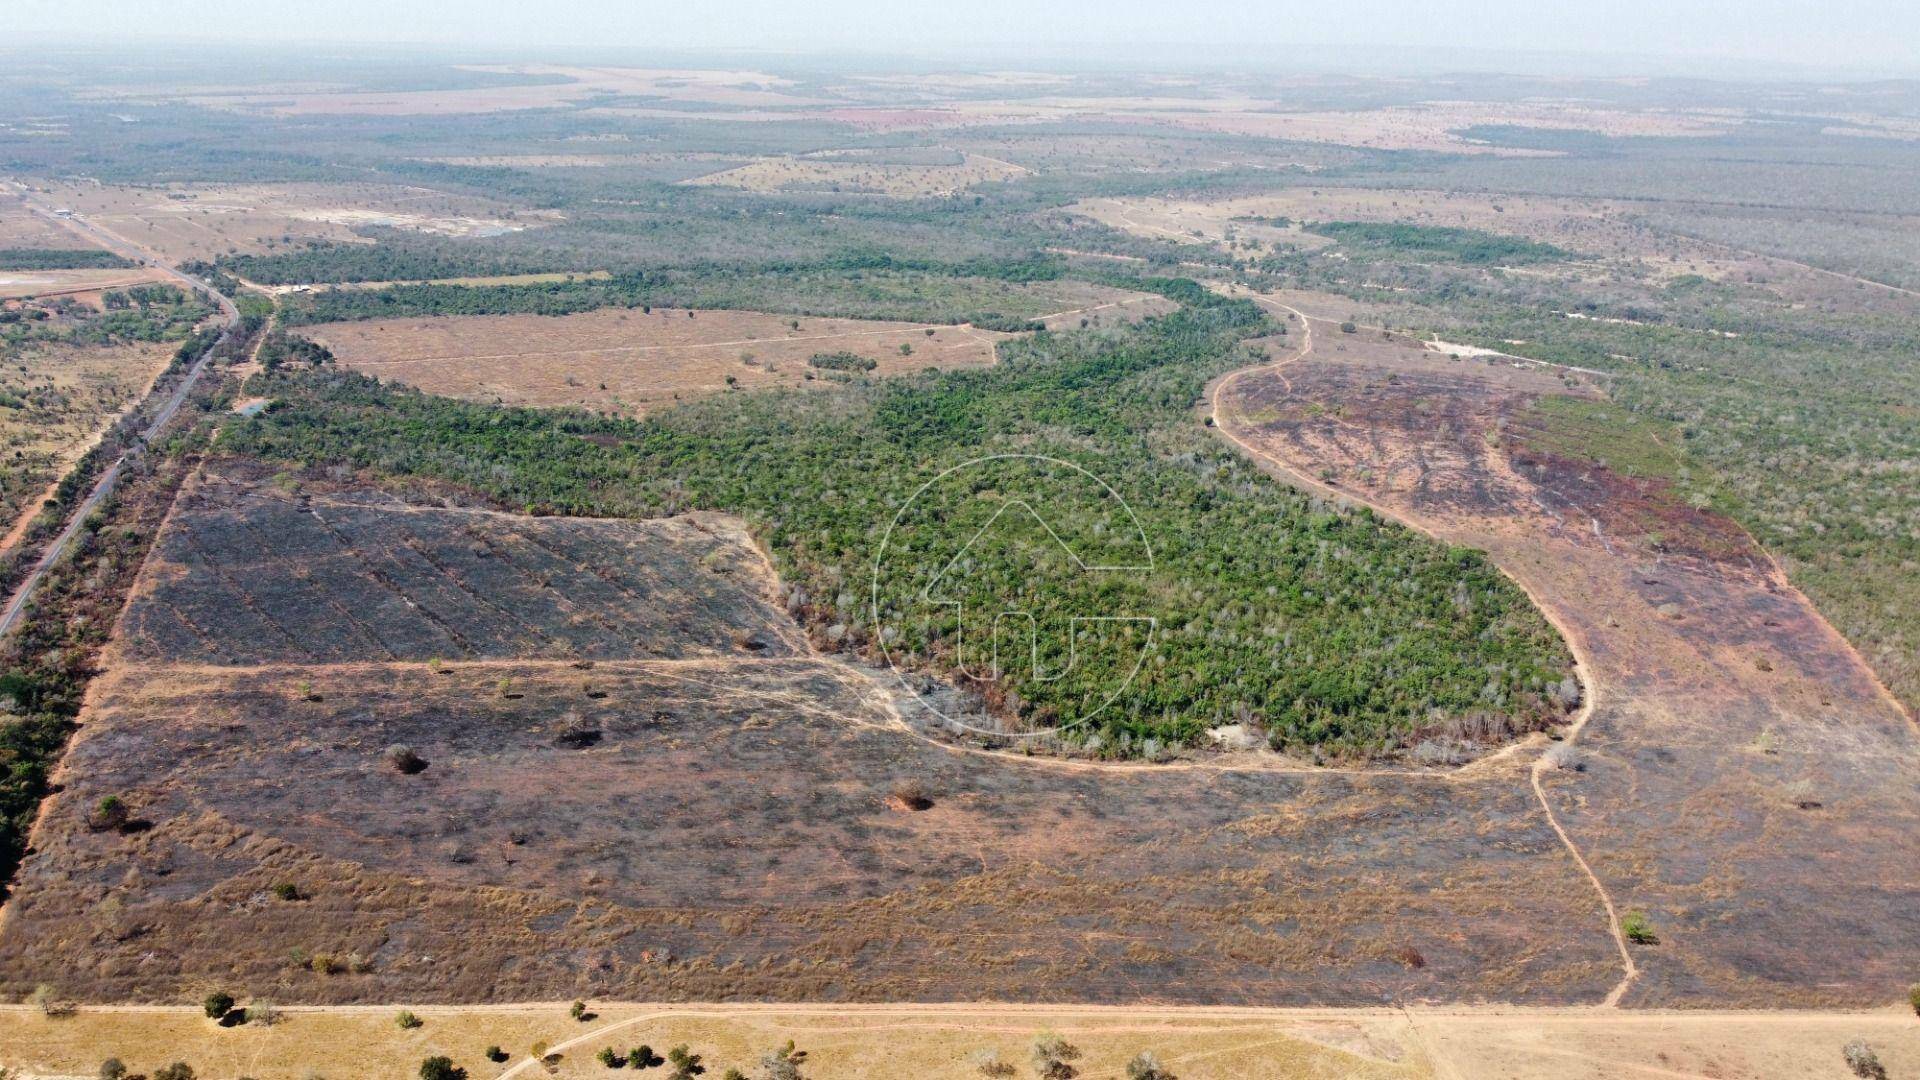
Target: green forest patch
<point>1336,631</point>
<point>1472,247</point>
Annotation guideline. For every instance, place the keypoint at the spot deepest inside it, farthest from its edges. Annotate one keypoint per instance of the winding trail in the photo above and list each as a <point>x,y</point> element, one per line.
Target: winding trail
<point>1220,418</point>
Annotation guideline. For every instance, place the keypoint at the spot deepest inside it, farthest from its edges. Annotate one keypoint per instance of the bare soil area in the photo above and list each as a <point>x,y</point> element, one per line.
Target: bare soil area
<point>631,361</point>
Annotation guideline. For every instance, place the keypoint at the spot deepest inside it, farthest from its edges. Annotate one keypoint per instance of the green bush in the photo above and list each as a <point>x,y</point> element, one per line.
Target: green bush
<point>217,1004</point>
<point>441,1067</point>
<point>1638,929</point>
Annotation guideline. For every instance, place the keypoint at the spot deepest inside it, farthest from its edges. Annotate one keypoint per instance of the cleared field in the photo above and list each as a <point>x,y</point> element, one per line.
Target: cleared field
<point>1741,780</point>
<point>251,574</point>
<point>83,285</point>
<point>897,180</point>
<point>22,228</point>
<point>203,221</point>
<point>632,361</point>
<point>949,1042</point>
<point>55,400</point>
<point>572,85</point>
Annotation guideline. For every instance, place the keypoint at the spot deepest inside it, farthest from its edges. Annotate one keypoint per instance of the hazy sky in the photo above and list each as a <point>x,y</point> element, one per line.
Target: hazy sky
<point>1861,36</point>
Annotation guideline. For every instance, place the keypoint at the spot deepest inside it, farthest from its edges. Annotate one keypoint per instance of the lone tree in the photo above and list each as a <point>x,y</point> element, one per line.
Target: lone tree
<point>404,759</point>
<point>686,1065</point>
<point>441,1067</point>
<point>109,815</point>
<point>218,1004</point>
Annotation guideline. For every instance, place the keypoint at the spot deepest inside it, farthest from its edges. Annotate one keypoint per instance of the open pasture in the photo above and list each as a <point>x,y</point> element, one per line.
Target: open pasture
<point>183,222</point>
<point>635,361</point>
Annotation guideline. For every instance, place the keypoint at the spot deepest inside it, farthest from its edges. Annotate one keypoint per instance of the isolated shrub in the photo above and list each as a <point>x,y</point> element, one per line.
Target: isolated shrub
<point>42,999</point>
<point>404,759</point>
<point>109,814</point>
<point>495,1054</point>
<point>218,1004</point>
<point>441,1067</point>
<point>1145,1066</point>
<point>263,1013</point>
<point>179,1070</point>
<point>1913,998</point>
<point>407,1021</point>
<point>782,1064</point>
<point>112,1069</point>
<point>1349,328</point>
<point>642,1057</point>
<point>1863,1061</point>
<point>1053,1058</point>
<point>610,1059</point>
<point>686,1064</point>
<point>1638,929</point>
<point>733,1074</point>
<point>912,795</point>
<point>990,1063</point>
<point>1565,757</point>
<point>578,1010</point>
<point>287,890</point>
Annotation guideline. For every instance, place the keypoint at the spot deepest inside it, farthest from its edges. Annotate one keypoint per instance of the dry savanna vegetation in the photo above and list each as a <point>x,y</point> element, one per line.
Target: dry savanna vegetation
<point>876,177</point>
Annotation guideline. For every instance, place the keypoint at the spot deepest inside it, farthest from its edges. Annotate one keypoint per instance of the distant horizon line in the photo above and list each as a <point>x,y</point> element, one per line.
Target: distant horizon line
<point>1143,57</point>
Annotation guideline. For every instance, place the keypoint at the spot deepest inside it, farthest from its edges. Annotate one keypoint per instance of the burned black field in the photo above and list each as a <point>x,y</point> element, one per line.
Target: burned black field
<point>729,824</point>
<point>252,574</point>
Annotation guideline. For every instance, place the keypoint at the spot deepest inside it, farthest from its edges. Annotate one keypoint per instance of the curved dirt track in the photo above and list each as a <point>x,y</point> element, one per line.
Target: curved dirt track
<point>1745,781</point>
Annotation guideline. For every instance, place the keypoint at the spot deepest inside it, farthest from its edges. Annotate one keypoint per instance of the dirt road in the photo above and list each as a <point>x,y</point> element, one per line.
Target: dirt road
<point>110,477</point>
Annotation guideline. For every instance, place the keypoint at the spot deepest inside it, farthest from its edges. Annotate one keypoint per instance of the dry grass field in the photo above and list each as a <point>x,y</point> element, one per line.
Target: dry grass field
<point>22,228</point>
<point>203,221</point>
<point>948,1042</point>
<point>55,400</point>
<point>631,361</point>
<point>897,180</point>
<point>82,285</point>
